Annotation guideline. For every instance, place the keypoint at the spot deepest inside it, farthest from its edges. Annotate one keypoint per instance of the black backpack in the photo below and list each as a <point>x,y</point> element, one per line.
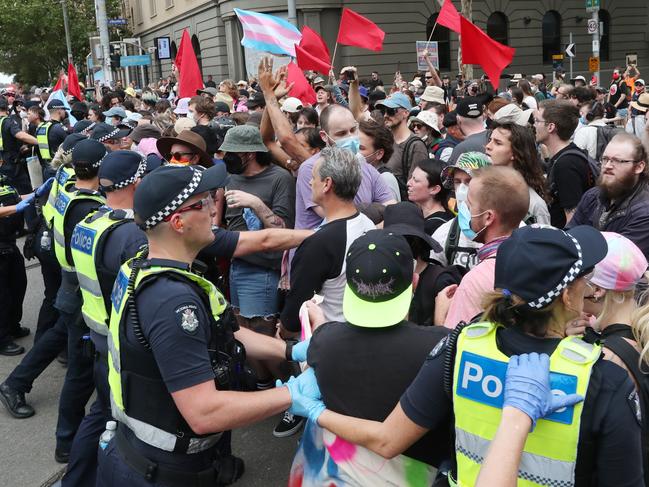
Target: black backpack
<point>406,163</point>
<point>594,166</point>
<point>604,136</point>
<point>452,247</point>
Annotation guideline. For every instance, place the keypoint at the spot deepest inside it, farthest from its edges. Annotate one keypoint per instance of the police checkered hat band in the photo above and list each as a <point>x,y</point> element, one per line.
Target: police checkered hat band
<point>174,204</point>
<point>98,163</point>
<point>88,129</point>
<point>122,184</point>
<point>572,274</point>
<point>109,136</point>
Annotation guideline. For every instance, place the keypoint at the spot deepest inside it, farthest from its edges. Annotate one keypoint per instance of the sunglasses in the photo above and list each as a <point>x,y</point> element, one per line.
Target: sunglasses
<point>182,156</point>
<point>390,112</point>
<point>199,205</point>
<point>417,126</point>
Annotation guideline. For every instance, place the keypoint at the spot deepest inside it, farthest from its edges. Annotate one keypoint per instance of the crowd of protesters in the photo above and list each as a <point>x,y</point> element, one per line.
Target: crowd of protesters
<point>447,282</point>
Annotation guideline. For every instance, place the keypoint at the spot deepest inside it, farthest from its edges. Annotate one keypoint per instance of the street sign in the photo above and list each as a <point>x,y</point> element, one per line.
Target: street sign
<point>592,26</point>
<point>118,21</point>
<point>431,47</point>
<point>593,64</point>
<point>570,50</point>
<point>557,61</point>
<point>142,60</point>
<point>592,5</point>
<point>595,45</point>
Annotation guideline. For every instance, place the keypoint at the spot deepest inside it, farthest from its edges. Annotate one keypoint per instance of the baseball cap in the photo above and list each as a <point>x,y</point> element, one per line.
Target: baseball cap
<point>406,219</point>
<point>379,273</point>
<point>467,162</point>
<point>397,100</point>
<point>209,90</point>
<point>56,104</point>
<point>433,94</point>
<point>579,78</point>
<point>115,112</point>
<point>450,119</point>
<point>639,81</point>
<point>363,91</point>
<point>182,107</point>
<point>512,113</point>
<point>256,100</point>
<point>167,188</point>
<point>538,262</point>
<point>88,152</point>
<point>623,266</point>
<point>428,118</point>
<point>318,80</point>
<point>291,105</point>
<point>121,168</point>
<point>221,106</point>
<point>243,138</point>
<point>470,107</point>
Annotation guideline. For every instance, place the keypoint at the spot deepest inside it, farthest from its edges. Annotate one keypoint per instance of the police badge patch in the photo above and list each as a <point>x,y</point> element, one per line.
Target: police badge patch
<point>186,318</point>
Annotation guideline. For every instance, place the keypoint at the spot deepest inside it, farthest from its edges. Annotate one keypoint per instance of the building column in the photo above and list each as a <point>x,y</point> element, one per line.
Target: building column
<point>236,65</point>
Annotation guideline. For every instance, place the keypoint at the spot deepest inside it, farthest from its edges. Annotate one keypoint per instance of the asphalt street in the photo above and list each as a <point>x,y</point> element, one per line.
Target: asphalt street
<point>27,445</point>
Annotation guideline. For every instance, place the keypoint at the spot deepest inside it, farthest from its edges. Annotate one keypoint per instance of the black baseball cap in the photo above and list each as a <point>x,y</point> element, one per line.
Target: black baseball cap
<point>450,119</point>
<point>406,218</point>
<point>256,100</point>
<point>121,168</point>
<point>379,273</point>
<point>538,262</point>
<point>56,104</point>
<point>166,188</point>
<point>221,106</point>
<point>470,107</point>
<point>88,153</point>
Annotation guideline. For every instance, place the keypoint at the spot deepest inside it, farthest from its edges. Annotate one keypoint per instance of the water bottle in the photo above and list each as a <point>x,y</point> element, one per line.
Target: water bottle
<point>107,435</point>
<point>46,240</point>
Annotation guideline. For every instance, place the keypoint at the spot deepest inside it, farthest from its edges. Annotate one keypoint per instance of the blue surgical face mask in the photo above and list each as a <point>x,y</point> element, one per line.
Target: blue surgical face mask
<point>464,220</point>
<point>351,143</point>
<point>583,121</point>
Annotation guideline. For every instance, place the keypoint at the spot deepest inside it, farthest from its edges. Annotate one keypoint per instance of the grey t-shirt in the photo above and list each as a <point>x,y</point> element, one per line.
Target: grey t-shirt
<point>416,152</point>
<point>473,143</point>
<point>276,188</point>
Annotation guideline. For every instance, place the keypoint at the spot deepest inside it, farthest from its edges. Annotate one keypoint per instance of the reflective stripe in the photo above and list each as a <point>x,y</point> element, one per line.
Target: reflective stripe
<point>43,143</point>
<point>534,468</point>
<point>95,326</point>
<point>114,355</point>
<point>90,285</point>
<point>2,121</point>
<point>60,239</point>
<point>159,438</point>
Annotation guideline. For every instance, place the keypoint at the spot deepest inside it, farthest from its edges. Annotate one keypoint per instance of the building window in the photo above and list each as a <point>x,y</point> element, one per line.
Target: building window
<point>138,13</point>
<point>551,35</point>
<point>153,7</point>
<point>498,27</point>
<point>197,50</point>
<point>604,31</point>
<point>443,37</point>
<point>169,3</point>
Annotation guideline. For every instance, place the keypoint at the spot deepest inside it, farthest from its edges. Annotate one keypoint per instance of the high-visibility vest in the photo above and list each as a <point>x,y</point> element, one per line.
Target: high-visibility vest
<point>87,247</point>
<point>67,194</point>
<point>2,143</point>
<point>550,453</point>
<point>10,226</point>
<point>42,131</point>
<point>139,397</point>
<point>63,175</point>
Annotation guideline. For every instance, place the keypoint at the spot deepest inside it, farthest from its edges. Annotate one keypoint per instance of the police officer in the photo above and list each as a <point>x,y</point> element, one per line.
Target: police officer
<point>11,137</point>
<point>75,200</point>
<point>540,279</point>
<point>173,358</point>
<point>51,134</point>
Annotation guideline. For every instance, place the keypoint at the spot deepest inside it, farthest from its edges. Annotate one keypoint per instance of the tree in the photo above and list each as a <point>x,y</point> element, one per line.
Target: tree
<point>32,37</point>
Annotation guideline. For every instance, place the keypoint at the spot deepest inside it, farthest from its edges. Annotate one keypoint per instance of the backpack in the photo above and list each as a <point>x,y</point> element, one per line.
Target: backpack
<point>594,166</point>
<point>630,356</point>
<point>452,247</point>
<point>406,163</point>
<point>604,136</point>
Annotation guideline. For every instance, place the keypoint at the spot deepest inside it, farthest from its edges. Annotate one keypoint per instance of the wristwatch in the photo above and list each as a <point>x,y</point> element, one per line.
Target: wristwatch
<point>289,349</point>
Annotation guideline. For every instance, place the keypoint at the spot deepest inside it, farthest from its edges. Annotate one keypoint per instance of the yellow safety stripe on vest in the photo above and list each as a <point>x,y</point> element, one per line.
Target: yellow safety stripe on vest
<point>2,121</point>
<point>42,138</point>
<point>146,432</point>
<point>479,377</point>
<point>63,175</point>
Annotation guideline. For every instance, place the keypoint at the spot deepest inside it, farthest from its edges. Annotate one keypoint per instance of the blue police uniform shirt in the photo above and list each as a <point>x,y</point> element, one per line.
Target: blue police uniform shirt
<point>55,136</point>
<point>611,418</point>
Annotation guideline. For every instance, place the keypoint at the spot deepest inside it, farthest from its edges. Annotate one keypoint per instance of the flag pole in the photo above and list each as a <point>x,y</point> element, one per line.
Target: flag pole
<point>432,31</point>
<point>333,58</point>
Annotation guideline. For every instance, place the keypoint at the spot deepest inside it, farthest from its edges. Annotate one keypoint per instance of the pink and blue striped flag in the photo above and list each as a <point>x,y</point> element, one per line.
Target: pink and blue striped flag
<point>268,33</point>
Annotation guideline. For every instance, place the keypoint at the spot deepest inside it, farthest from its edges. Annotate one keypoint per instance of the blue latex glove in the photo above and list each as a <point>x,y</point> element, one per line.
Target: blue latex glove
<point>252,220</point>
<point>299,350</point>
<point>305,395</point>
<point>44,188</point>
<point>527,387</point>
<point>20,207</point>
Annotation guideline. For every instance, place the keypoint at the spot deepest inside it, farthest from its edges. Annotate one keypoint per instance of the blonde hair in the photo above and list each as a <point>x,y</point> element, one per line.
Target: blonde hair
<point>61,159</point>
<point>640,326</point>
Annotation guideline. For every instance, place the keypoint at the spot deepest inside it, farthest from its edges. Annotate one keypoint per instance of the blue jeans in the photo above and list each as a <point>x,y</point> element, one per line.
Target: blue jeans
<point>253,290</point>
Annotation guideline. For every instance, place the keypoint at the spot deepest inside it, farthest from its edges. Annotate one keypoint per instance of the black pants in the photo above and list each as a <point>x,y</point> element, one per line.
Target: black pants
<point>51,271</point>
<point>13,284</point>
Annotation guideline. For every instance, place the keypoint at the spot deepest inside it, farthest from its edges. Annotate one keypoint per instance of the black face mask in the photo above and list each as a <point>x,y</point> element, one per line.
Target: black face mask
<point>233,163</point>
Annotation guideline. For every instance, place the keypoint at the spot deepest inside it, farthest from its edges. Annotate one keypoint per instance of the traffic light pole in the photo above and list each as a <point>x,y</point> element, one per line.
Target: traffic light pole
<point>66,25</point>
<point>595,17</point>
<point>102,27</point>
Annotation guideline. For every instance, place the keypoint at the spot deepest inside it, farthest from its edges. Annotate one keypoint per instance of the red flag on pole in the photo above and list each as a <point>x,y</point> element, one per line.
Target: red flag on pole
<point>301,90</point>
<point>61,81</point>
<point>189,73</point>
<point>449,16</point>
<point>73,82</point>
<point>312,52</point>
<point>179,54</point>
<point>479,48</point>
<point>356,30</point>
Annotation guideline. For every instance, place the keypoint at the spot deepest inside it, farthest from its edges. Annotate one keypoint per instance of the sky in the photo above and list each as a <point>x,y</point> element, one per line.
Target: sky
<point>5,78</point>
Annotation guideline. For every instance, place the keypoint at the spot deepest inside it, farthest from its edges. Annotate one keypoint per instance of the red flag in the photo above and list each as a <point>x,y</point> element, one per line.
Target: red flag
<point>73,82</point>
<point>356,30</point>
<point>479,48</point>
<point>189,73</point>
<point>61,81</point>
<point>449,16</point>
<point>301,90</point>
<point>179,53</point>
<point>312,52</point>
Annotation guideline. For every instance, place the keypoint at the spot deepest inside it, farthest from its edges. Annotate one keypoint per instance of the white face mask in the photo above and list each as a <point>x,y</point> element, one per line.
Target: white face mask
<point>23,114</point>
<point>461,192</point>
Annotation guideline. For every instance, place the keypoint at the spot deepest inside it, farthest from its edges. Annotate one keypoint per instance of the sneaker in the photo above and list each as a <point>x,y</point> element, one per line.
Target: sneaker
<point>288,426</point>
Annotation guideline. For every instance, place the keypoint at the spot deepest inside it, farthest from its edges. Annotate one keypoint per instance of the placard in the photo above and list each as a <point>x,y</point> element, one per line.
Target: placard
<point>164,47</point>
<point>432,48</point>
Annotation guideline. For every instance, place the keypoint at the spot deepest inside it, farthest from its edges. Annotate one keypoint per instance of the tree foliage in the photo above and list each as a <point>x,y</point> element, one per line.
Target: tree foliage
<point>32,36</point>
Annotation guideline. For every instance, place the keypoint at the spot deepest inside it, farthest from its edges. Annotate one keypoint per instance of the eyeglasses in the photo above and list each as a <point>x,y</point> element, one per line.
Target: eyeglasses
<point>390,112</point>
<point>592,298</point>
<point>429,77</point>
<point>541,121</point>
<point>615,161</point>
<point>182,156</point>
<point>199,205</point>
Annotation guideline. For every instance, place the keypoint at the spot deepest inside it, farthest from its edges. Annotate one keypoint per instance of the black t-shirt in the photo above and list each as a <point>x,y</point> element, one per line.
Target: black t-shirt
<point>11,145</point>
<point>435,220</point>
<point>611,421</point>
<point>568,181</point>
<point>55,136</point>
<point>362,372</point>
<point>616,90</point>
<point>432,280</point>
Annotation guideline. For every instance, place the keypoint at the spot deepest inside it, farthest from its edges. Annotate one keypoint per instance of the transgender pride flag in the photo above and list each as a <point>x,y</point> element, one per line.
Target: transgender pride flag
<point>268,33</point>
